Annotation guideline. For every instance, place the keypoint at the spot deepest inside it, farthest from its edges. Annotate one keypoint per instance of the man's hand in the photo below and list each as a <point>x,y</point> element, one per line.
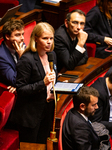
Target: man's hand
<point>19,48</point>
<point>82,37</point>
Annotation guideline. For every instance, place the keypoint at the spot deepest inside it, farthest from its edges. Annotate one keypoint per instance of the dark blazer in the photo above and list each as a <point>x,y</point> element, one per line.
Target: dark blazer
<point>67,55</point>
<point>103,112</point>
<point>78,134</point>
<point>31,90</point>
<point>27,5</point>
<point>97,27</point>
<point>7,66</point>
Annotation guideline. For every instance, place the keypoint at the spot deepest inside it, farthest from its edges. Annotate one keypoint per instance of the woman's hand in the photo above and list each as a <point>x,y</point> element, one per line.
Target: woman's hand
<point>108,41</point>
<point>50,77</point>
<point>11,89</point>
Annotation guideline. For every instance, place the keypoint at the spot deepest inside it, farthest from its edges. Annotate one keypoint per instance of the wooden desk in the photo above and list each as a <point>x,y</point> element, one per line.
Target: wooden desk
<point>86,73</point>
<point>33,15</point>
<point>32,146</point>
<point>56,13</point>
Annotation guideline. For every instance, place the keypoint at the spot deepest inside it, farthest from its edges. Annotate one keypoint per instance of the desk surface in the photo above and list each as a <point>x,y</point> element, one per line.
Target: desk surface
<point>86,73</point>
<point>81,70</point>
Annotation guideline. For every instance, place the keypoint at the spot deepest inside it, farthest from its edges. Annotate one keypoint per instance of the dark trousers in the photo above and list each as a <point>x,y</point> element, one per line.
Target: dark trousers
<point>40,133</point>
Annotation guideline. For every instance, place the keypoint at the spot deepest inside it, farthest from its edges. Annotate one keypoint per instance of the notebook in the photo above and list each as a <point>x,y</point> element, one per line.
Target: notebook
<point>9,14</point>
<point>67,88</point>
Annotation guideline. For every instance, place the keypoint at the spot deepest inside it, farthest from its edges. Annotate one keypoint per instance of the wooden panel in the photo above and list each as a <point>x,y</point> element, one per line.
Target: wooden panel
<point>56,13</point>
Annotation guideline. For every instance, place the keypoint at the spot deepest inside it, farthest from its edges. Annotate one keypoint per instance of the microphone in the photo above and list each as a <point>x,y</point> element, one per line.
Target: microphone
<point>53,133</point>
<point>50,59</point>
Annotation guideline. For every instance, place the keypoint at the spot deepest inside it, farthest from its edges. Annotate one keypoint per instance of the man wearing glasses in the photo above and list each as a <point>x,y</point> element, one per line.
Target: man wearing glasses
<point>70,41</point>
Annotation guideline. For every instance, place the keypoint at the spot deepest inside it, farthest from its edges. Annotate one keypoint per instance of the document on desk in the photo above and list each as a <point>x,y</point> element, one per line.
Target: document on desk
<point>52,1</point>
<point>67,88</point>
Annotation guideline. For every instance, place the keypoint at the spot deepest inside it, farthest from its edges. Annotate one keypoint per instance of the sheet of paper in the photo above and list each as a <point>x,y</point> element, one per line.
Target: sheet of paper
<point>52,1</point>
<point>62,86</point>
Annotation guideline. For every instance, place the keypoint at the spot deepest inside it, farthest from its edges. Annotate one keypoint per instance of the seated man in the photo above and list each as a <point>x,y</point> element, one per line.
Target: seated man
<point>77,132</point>
<point>70,41</point>
<point>108,72</point>
<point>10,50</point>
<point>104,113</point>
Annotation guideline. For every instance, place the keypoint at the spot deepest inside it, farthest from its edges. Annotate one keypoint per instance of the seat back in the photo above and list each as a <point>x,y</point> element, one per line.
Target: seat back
<point>27,32</point>
<point>69,106</point>
<point>1,40</point>
<point>85,7</point>
<point>6,104</point>
<point>91,49</point>
<point>9,139</point>
<point>3,88</point>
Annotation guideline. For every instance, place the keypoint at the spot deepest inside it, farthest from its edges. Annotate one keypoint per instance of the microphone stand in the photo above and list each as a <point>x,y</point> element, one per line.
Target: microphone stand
<point>53,133</point>
<point>52,141</point>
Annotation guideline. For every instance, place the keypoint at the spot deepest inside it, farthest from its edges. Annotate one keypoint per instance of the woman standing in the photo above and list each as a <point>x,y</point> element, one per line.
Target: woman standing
<point>99,27</point>
<point>34,108</point>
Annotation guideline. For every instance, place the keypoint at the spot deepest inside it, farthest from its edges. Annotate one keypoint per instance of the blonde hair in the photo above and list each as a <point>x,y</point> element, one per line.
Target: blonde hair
<point>37,32</point>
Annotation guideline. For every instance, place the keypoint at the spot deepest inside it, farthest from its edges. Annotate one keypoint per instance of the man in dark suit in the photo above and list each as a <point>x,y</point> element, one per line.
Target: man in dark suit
<point>77,132</point>
<point>104,113</point>
<point>70,41</point>
<point>10,50</point>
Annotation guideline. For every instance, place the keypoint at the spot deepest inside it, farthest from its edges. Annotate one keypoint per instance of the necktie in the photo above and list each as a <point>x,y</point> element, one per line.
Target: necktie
<point>15,58</point>
<point>89,122</point>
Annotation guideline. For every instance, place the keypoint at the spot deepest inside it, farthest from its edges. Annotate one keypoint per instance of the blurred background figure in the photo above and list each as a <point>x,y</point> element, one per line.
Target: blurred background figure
<point>99,27</point>
<point>29,5</point>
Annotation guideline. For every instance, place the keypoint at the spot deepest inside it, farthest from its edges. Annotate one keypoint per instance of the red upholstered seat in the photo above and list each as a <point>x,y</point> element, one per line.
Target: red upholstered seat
<point>9,139</point>
<point>85,7</point>
<point>69,106</point>
<point>1,40</point>
<point>91,49</point>
<point>7,4</point>
<point>28,30</point>
<point>3,88</point>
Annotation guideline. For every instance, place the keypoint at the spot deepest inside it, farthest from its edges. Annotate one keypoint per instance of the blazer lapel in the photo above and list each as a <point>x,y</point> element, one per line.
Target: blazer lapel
<point>39,64</point>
